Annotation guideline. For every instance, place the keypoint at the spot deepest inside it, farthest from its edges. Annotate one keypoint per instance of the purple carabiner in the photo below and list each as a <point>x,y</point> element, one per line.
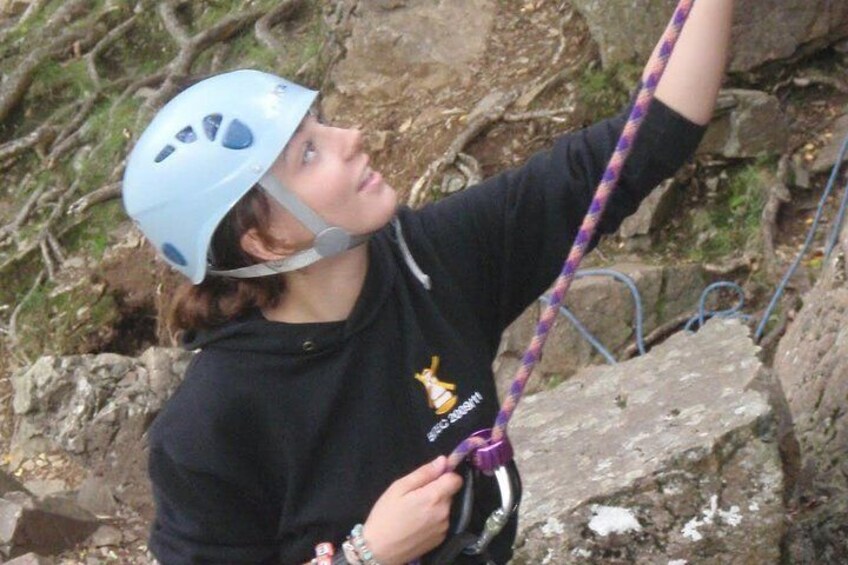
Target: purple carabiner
<point>492,455</point>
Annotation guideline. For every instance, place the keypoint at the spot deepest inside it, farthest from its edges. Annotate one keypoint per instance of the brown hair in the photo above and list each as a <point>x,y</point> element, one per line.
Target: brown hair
<point>217,299</point>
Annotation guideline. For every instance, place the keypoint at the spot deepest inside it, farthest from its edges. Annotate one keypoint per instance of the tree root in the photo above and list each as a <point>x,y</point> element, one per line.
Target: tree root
<point>106,41</point>
<point>340,29</point>
<point>191,47</point>
<point>773,336</point>
<point>489,110</point>
<point>12,331</point>
<point>745,262</point>
<point>778,194</point>
<point>39,138</point>
<point>46,229</point>
<point>658,335</point>
<point>23,214</point>
<point>102,194</point>
<point>817,79</point>
<point>18,81</point>
<point>262,28</point>
<point>552,115</point>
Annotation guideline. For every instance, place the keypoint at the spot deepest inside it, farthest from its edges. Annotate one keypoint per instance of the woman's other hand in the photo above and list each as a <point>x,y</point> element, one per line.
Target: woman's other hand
<point>412,516</point>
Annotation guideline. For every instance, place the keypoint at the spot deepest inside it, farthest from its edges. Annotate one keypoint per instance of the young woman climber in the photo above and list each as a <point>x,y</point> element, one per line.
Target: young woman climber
<point>345,343</point>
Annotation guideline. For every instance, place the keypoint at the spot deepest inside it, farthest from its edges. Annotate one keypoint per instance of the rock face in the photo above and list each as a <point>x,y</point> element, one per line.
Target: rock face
<point>605,307</point>
<point>45,526</point>
<point>8,483</point>
<point>432,42</point>
<point>811,363</point>
<point>97,407</point>
<point>830,152</point>
<point>667,458</point>
<point>748,123</point>
<point>763,30</point>
<point>653,212</point>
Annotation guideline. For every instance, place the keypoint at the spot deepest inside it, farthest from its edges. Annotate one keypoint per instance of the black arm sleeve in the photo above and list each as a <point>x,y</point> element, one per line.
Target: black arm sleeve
<point>202,519</point>
<point>505,240</point>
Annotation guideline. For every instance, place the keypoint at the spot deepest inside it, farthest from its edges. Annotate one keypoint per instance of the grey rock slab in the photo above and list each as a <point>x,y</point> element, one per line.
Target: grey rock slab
<point>763,30</point>
<point>811,365</point>
<point>670,450</point>
<point>606,308</point>
<point>827,156</point>
<point>47,526</point>
<point>652,212</point>
<point>31,559</point>
<point>8,483</point>
<point>96,496</point>
<point>97,407</point>
<point>748,123</point>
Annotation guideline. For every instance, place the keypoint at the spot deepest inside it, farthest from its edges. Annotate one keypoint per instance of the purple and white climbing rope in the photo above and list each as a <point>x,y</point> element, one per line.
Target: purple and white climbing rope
<point>655,69</point>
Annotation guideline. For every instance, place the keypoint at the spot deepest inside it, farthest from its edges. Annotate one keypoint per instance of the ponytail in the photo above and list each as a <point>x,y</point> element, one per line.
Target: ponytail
<point>217,300</point>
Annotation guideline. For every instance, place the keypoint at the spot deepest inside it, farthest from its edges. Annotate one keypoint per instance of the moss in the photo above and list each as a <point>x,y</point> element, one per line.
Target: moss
<point>92,238</point>
<point>67,322</point>
<point>146,50</point>
<point>33,25</point>
<point>732,223</point>
<point>108,131</point>
<point>553,380</point>
<point>61,82</point>
<point>81,320</point>
<point>603,92</point>
<point>246,51</point>
<point>301,41</point>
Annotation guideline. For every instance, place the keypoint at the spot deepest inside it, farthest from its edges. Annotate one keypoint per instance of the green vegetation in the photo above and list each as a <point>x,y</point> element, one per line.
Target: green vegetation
<point>92,237</point>
<point>56,83</point>
<point>72,320</point>
<point>732,223</point>
<point>604,92</point>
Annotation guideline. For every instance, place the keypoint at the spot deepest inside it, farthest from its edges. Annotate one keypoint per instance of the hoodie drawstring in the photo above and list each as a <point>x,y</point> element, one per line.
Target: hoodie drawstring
<point>408,258</point>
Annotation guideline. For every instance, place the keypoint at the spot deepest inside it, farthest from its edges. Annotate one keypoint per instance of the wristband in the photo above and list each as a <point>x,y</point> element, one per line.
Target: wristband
<point>324,554</point>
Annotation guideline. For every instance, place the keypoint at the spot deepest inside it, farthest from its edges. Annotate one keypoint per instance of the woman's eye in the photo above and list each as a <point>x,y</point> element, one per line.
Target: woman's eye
<point>309,152</point>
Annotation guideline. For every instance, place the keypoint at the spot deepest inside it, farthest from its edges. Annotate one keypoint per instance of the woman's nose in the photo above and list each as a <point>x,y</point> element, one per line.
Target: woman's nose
<point>353,143</point>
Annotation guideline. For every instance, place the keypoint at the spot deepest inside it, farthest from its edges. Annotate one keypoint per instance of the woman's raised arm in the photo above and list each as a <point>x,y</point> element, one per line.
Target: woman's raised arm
<point>696,68</point>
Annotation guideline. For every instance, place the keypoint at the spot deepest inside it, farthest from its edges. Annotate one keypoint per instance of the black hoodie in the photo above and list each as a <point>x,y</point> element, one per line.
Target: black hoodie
<point>284,435</point>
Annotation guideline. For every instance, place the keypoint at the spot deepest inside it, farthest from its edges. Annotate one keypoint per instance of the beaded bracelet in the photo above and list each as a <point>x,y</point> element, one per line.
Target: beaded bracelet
<point>362,551</point>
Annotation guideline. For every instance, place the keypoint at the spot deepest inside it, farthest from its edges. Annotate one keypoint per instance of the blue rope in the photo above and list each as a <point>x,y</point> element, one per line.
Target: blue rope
<point>758,334</point>
<point>587,335</point>
<point>734,311</point>
<point>583,331</point>
<point>840,218</point>
<point>704,314</point>
<point>634,292</point>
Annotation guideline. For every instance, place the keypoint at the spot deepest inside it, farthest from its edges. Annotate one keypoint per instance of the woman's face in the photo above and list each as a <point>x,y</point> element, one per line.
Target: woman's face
<point>327,168</point>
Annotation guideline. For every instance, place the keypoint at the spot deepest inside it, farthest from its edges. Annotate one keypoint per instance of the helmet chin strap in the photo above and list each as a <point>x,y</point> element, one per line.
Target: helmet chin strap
<point>329,240</point>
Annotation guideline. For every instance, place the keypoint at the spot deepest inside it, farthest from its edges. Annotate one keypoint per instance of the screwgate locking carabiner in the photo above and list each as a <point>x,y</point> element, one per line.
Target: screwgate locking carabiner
<point>492,460</point>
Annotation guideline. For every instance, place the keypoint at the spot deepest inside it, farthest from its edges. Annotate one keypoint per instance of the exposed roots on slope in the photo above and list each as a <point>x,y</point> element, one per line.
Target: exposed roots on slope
<point>53,199</point>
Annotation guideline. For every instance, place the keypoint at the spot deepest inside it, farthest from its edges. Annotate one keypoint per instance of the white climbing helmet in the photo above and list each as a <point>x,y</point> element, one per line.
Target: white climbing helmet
<point>202,152</point>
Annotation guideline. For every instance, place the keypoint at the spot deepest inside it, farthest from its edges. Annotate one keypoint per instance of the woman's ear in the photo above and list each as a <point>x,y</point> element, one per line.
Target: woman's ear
<point>255,245</point>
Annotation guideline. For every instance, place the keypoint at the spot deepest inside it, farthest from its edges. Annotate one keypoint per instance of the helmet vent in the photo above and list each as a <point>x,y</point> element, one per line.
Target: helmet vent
<point>187,135</point>
<point>237,136</point>
<point>211,123</point>
<point>167,150</point>
<point>173,255</point>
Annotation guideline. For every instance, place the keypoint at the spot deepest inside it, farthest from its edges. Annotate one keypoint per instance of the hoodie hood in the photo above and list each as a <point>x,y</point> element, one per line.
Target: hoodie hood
<point>253,333</point>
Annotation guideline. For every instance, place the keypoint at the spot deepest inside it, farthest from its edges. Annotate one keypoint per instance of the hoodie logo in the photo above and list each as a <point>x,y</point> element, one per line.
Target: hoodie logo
<point>440,394</point>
